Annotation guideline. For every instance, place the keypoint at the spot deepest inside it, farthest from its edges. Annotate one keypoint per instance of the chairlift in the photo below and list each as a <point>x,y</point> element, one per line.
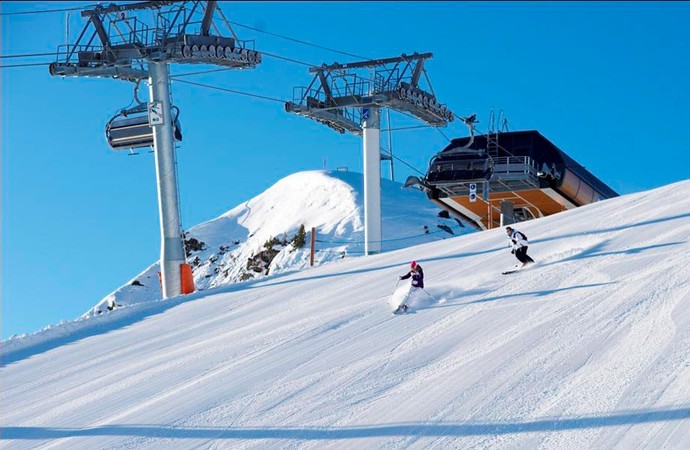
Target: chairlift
<point>130,129</point>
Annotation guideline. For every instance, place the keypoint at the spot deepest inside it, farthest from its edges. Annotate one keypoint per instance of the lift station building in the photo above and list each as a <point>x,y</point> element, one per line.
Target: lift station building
<point>500,178</point>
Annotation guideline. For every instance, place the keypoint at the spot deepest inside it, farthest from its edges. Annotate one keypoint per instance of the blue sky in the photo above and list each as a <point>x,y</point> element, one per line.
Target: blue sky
<point>606,82</point>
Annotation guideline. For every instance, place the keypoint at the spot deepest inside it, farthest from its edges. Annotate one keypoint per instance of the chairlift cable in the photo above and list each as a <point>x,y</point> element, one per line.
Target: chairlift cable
<point>46,11</point>
<point>287,59</point>
<point>408,165</point>
<point>228,23</point>
<point>222,16</point>
<point>32,55</point>
<point>4,66</point>
<point>443,134</point>
<point>429,126</point>
<point>189,74</point>
<point>411,127</point>
<point>232,91</point>
<point>298,40</point>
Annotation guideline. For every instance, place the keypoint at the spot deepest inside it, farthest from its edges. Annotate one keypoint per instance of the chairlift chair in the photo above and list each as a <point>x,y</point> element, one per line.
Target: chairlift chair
<point>130,129</point>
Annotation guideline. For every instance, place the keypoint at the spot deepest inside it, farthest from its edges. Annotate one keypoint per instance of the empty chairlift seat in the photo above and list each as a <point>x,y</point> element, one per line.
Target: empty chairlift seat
<point>134,132</point>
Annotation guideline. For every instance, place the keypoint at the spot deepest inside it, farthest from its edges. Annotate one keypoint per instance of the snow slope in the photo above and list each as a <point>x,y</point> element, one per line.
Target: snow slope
<point>331,202</point>
<point>586,349</point>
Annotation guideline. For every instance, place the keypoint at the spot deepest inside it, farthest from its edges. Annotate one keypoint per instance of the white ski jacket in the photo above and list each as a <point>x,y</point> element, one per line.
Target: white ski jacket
<point>517,240</point>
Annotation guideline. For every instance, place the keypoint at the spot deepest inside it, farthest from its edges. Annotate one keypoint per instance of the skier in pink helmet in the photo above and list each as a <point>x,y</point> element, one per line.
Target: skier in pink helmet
<point>417,275</point>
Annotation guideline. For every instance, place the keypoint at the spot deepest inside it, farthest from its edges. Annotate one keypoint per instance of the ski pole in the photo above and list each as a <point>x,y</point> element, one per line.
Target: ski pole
<point>396,287</point>
<point>431,296</point>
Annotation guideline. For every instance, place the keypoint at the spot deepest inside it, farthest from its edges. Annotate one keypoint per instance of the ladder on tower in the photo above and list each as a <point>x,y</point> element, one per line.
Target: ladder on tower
<point>492,137</point>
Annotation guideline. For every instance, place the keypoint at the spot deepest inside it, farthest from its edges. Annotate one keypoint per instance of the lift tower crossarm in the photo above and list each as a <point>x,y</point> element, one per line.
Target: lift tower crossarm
<point>390,86</point>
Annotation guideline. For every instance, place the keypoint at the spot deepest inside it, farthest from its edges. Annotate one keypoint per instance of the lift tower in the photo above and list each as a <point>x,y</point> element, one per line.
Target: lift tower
<point>123,46</point>
<point>338,98</point>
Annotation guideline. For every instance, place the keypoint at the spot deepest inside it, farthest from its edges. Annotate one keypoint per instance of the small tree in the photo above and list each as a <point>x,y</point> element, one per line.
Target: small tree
<point>300,238</point>
<point>272,242</point>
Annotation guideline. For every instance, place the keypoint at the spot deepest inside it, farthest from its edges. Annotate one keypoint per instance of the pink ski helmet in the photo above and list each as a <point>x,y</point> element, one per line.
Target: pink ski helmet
<point>413,264</point>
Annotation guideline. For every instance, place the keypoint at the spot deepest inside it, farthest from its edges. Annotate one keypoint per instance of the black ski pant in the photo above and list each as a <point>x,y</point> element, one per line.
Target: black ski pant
<point>521,255</point>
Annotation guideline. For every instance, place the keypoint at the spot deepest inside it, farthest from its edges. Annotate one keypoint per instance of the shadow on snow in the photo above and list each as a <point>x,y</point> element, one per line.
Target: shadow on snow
<point>597,251</point>
<point>609,230</point>
<point>334,433</point>
<point>543,293</point>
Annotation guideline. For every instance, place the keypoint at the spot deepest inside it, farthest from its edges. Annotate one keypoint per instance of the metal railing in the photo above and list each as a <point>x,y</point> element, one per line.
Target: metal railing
<point>502,173</point>
<point>514,167</point>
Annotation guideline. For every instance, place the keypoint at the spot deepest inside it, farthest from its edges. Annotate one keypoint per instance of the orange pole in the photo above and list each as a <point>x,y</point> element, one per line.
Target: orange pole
<point>187,279</point>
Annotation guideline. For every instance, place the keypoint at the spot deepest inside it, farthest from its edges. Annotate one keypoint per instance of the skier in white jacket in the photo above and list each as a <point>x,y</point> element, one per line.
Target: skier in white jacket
<point>519,244</point>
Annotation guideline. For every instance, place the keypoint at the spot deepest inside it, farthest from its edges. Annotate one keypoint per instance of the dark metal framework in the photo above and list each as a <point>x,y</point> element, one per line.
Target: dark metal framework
<point>338,96</point>
<point>121,44</point>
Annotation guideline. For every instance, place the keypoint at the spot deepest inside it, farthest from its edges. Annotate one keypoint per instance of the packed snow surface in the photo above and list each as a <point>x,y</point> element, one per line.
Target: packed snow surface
<point>588,348</point>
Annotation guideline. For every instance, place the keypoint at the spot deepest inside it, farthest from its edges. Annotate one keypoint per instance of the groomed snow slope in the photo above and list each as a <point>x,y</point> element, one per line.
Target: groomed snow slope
<point>586,349</point>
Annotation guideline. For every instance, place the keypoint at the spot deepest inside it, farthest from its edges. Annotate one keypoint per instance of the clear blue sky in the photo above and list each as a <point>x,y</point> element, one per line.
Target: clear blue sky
<point>606,82</point>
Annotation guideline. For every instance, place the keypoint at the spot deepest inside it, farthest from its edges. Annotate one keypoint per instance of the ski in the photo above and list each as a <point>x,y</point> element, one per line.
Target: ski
<point>517,269</point>
<point>401,308</point>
